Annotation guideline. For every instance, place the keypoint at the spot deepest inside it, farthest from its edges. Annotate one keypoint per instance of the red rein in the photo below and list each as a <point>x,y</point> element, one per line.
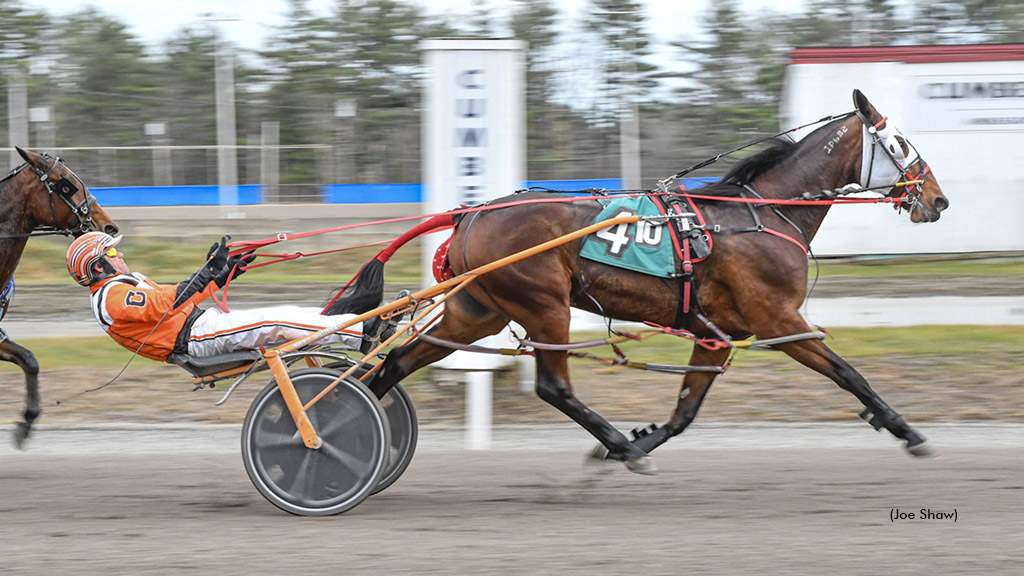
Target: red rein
<point>445,220</point>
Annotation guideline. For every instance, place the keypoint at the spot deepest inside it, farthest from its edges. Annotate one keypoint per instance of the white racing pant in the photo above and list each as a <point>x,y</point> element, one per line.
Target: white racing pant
<point>216,332</point>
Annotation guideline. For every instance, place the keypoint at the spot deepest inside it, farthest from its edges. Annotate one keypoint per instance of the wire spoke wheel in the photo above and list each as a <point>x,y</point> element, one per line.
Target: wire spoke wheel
<point>333,478</point>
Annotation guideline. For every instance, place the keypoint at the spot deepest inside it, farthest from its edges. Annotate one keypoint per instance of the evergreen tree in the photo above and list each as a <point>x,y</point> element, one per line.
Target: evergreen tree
<point>106,84</point>
<point>21,35</point>
<point>21,42</point>
<point>535,21</point>
<point>624,44</point>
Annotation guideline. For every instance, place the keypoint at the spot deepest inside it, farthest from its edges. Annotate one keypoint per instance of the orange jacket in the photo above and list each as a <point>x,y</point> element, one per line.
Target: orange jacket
<point>133,309</point>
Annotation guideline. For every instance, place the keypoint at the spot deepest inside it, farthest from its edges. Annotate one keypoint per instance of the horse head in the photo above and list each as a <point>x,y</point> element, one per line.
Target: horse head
<point>889,158</point>
<point>63,201</point>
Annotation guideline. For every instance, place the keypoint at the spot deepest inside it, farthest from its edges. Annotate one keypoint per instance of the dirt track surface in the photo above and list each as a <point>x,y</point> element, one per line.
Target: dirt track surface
<point>725,502</point>
<point>924,388</point>
<point>744,499</point>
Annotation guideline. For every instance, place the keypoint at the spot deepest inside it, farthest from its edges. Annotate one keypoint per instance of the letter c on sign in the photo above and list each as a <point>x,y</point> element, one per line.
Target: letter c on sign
<point>467,79</point>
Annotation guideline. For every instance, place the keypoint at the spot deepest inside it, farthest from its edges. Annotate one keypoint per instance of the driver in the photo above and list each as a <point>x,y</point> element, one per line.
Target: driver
<point>158,320</point>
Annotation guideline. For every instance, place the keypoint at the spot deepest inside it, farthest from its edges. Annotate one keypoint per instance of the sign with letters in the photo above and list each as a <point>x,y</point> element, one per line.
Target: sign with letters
<point>962,106</point>
<point>474,138</point>
<point>968,103</point>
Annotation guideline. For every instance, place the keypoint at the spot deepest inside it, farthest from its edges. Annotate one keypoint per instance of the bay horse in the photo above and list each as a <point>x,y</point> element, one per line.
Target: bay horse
<point>752,283</point>
<point>42,196</point>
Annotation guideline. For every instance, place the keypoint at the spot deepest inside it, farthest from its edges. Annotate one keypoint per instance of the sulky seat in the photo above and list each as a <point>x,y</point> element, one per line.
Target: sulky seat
<point>205,365</point>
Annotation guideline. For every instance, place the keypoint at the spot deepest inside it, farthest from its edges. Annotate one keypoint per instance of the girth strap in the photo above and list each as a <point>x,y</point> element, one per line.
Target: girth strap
<point>692,244</point>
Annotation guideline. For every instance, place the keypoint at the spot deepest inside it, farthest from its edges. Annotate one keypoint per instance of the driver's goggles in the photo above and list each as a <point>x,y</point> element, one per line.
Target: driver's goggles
<point>111,252</point>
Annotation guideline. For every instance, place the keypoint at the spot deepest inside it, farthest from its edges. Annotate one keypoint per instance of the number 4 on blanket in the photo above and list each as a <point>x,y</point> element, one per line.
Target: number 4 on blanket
<point>641,247</point>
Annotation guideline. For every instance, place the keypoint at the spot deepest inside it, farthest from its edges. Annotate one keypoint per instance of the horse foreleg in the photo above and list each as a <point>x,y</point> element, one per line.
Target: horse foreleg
<point>818,357</point>
<point>24,359</point>
<point>553,387</point>
<point>691,395</point>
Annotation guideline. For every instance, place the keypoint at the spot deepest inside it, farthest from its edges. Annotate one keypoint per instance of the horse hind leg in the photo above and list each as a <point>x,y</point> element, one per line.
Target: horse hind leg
<point>464,321</point>
<point>553,387</point>
<point>24,359</point>
<point>817,356</point>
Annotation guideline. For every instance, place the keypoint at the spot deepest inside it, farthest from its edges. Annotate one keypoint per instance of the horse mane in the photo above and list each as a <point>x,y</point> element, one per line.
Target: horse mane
<point>753,166</point>
<point>13,172</point>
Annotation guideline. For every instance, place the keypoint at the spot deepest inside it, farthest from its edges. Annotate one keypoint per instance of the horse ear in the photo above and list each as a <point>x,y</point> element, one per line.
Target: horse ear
<point>22,153</point>
<point>862,104</point>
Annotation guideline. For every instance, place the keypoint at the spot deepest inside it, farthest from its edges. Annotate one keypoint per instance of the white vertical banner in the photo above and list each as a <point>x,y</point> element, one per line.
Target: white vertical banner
<point>474,142</point>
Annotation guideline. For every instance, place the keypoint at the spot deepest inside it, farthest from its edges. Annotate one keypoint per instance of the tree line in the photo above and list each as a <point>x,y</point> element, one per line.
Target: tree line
<point>103,85</point>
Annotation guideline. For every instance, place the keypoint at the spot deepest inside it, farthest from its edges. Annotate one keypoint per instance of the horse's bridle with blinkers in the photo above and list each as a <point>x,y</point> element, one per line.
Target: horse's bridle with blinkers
<point>64,189</point>
<point>912,192</point>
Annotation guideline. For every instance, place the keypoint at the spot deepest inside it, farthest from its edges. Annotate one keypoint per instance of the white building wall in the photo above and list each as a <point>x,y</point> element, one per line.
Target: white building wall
<point>974,145</point>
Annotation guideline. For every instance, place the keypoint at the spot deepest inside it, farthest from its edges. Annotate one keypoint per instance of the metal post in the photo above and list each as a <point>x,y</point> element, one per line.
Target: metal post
<point>345,119</point>
<point>527,373</point>
<point>479,392</point>
<point>17,112</point>
<point>157,133</point>
<point>45,136</point>
<point>227,154</point>
<point>629,125</point>
<point>270,163</point>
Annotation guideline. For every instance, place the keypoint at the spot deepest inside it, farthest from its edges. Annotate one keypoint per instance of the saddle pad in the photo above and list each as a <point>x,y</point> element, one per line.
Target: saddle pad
<point>648,250</point>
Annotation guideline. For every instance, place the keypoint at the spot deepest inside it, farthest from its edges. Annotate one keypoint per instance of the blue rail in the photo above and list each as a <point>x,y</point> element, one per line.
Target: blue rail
<point>330,194</point>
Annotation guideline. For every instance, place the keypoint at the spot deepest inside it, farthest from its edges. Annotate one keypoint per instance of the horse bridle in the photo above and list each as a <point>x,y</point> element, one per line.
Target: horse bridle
<point>64,189</point>
<point>912,191</point>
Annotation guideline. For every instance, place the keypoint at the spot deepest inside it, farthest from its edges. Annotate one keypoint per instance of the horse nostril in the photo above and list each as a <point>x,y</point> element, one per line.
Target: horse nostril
<point>940,203</point>
<point>110,229</point>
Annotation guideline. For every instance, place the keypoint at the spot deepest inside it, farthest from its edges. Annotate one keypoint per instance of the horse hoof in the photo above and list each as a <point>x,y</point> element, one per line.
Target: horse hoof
<point>20,434</point>
<point>922,450</point>
<point>598,455</point>
<point>644,465</point>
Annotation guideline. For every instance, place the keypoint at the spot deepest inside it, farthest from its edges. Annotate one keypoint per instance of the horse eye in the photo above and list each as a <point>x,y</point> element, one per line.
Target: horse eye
<point>903,144</point>
<point>65,187</point>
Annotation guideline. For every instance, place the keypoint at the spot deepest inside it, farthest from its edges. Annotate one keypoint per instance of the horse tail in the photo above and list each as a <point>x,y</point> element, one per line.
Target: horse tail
<point>365,291</point>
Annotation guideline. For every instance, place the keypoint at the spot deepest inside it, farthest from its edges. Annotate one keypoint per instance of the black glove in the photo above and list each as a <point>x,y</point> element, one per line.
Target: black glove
<point>233,269</point>
<point>195,283</point>
<point>217,257</point>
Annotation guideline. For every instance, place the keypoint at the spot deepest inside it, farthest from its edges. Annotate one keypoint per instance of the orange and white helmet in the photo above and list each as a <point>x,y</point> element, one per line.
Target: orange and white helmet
<point>85,251</point>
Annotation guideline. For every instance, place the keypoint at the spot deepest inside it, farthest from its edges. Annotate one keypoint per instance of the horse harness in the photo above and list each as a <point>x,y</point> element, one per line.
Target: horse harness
<point>891,169</point>
<point>6,296</point>
<point>64,189</point>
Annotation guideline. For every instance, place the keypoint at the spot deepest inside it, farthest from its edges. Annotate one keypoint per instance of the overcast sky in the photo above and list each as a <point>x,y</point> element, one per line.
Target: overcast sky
<point>155,20</point>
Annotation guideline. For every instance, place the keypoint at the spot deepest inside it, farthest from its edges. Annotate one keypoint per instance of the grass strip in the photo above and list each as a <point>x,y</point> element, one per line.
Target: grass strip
<point>963,341</point>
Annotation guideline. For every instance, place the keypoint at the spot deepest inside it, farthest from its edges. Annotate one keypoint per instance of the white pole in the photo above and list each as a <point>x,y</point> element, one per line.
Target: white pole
<point>227,162</point>
<point>527,373</point>
<point>479,392</point>
<point>17,112</point>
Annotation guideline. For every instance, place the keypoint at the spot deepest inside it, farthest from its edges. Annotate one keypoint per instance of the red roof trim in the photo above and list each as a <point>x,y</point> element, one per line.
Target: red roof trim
<point>908,54</point>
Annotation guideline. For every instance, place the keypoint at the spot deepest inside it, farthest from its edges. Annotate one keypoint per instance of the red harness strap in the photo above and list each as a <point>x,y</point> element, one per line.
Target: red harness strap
<point>687,275</point>
<point>441,266</point>
<point>787,237</point>
<point>439,222</point>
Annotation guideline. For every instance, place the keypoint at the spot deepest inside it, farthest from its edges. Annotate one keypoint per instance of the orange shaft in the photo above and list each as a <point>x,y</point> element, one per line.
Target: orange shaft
<point>291,399</point>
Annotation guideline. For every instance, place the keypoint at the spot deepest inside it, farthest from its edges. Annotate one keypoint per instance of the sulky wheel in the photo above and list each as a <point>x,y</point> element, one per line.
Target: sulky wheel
<point>333,478</point>
<point>403,423</point>
<point>404,433</point>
